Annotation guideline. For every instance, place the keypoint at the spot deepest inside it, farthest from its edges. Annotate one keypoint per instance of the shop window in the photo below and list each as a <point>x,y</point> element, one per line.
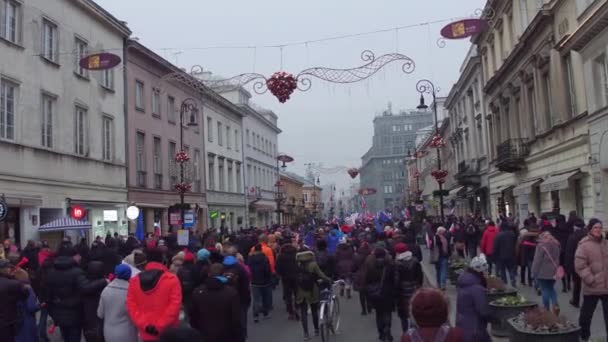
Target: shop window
<point>555,206</point>
<point>579,198</point>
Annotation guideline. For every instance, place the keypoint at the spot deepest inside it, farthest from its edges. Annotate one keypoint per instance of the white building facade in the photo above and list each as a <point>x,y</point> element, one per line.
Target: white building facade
<point>260,149</point>
<point>61,127</point>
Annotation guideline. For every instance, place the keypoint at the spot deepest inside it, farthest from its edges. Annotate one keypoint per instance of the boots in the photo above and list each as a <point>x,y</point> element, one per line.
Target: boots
<point>348,293</point>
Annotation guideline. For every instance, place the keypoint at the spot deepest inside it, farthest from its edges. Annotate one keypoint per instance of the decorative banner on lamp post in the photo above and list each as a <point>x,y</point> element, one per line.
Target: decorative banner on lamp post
<point>464,28</point>
<point>100,61</point>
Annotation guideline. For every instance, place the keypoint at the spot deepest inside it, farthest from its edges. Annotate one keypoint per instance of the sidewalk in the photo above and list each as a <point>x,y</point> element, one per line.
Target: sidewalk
<point>571,313</point>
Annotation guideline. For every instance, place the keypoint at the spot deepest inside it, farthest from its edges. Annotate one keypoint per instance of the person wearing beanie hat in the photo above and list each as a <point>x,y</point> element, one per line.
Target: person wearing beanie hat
<point>429,309</point>
<point>408,278</point>
<point>117,325</point>
<point>472,309</point>
<point>580,231</point>
<point>189,276</point>
<point>203,255</point>
<point>379,283</point>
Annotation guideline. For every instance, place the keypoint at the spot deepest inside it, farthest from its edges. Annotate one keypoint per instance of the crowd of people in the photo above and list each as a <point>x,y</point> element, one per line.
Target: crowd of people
<point>123,289</point>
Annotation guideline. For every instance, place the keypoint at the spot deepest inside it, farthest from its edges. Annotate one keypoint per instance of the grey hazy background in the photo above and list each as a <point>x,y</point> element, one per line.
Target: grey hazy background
<point>331,123</point>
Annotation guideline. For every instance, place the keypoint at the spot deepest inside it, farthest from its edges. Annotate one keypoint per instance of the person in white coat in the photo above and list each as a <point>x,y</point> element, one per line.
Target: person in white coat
<point>117,325</point>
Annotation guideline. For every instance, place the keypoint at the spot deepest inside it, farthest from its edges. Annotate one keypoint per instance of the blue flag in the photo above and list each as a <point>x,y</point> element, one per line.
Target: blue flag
<point>379,228</point>
<point>140,231</point>
<point>383,218</point>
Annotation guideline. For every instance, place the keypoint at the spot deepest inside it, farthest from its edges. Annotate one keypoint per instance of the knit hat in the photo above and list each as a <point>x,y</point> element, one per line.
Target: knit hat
<point>379,252</point>
<point>479,264</point>
<point>230,260</point>
<point>203,255</point>
<point>400,248</point>
<point>122,271</point>
<point>188,257</point>
<point>429,308</point>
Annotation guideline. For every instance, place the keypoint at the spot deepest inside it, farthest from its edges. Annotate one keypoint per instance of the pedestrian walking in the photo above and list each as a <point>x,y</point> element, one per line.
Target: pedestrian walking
<point>562,232</point>
<point>308,293</point>
<point>154,298</point>
<point>441,253</point>
<point>408,278</point>
<point>591,264</point>
<point>379,282</point>
<point>472,236</point>
<point>580,231</point>
<point>487,244</point>
<point>215,312</point>
<point>545,269</point>
<point>503,253</point>
<point>93,326</point>
<point>12,292</point>
<point>525,251</point>
<point>238,278</point>
<point>117,325</point>
<point>344,267</point>
<point>359,276</point>
<point>472,309</point>
<point>261,283</point>
<point>287,269</point>
<point>429,309</point>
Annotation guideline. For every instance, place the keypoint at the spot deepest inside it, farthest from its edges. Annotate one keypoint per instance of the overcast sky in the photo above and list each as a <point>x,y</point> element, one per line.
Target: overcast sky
<point>331,123</point>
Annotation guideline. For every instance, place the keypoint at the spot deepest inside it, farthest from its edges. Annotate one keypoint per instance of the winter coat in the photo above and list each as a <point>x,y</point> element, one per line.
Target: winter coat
<point>591,264</point>
<point>326,262</point>
<point>261,274</point>
<point>379,271</point>
<point>239,279</point>
<point>65,284</point>
<point>117,325</point>
<point>268,253</point>
<point>306,260</point>
<point>29,327</point>
<point>408,277</point>
<point>215,312</point>
<point>189,278</point>
<point>333,239</point>
<point>472,309</point>
<point>526,247</point>
<point>31,253</point>
<point>344,261</point>
<point>571,246</point>
<point>546,257</point>
<point>176,262</point>
<point>154,298</point>
<point>562,232</point>
<point>11,293</point>
<point>471,233</point>
<point>358,263</point>
<point>287,267</point>
<point>487,240</point>
<point>90,299</point>
<point>504,246</point>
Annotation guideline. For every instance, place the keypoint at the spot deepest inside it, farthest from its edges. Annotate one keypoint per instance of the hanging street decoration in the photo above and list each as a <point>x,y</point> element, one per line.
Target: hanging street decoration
<point>282,84</point>
<point>439,175</point>
<point>437,142</point>
<point>182,188</point>
<point>353,172</point>
<point>367,191</point>
<point>181,168</point>
<point>182,157</point>
<point>465,28</point>
<point>100,61</point>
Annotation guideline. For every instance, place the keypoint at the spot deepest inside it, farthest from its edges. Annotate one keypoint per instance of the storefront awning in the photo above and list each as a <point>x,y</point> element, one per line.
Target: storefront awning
<point>66,223</point>
<point>558,182</point>
<point>525,188</point>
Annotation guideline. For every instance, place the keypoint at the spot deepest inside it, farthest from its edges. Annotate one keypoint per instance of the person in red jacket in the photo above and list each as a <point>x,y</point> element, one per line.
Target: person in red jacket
<point>154,298</point>
<point>487,243</point>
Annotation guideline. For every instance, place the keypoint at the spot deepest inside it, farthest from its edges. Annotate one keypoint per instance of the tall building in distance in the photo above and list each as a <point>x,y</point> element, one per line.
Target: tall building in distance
<point>383,166</point>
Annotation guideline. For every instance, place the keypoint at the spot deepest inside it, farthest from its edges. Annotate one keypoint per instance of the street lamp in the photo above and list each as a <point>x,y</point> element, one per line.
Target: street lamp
<point>280,196</point>
<point>426,86</point>
<point>188,106</point>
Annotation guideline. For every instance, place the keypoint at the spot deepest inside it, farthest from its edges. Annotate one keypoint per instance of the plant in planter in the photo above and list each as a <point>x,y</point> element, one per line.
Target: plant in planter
<point>504,308</point>
<point>455,269</point>
<point>498,289</point>
<point>538,325</point>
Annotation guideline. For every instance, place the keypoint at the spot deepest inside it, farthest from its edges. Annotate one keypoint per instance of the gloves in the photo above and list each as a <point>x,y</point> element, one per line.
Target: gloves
<point>150,329</point>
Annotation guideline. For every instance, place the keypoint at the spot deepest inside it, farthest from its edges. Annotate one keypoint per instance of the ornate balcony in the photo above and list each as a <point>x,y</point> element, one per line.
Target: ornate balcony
<point>511,155</point>
<point>468,173</point>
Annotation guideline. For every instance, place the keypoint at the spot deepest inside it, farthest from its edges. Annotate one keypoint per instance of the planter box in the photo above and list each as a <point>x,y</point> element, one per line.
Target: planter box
<point>501,313</point>
<point>518,335</point>
<point>492,296</point>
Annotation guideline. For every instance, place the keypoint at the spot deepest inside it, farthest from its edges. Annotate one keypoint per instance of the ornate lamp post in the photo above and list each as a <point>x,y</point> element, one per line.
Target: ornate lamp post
<point>279,195</point>
<point>188,107</point>
<point>426,86</point>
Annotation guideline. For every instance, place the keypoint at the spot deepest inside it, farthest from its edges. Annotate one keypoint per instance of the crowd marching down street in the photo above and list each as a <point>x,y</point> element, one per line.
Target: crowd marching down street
<point>123,289</point>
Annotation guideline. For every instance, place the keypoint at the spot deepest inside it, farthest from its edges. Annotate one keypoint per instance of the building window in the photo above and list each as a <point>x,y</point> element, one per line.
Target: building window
<point>228,140</point>
<point>211,172</point>
<point>197,171</point>
<point>388,189</point>
<point>548,101</point>
<point>158,164</point>
<point>140,159</point>
<point>81,52</point>
<point>236,140</point>
<point>571,86</point>
<point>532,110</point>
<point>239,181</point>
<point>172,175</point>
<point>107,137</point>
<point>247,137</point>
<point>229,177</point>
<point>600,80</point>
<point>220,171</point>
<point>107,79</point>
<point>210,129</point>
<point>171,110</point>
<point>80,131</point>
<point>156,102</point>
<point>11,23</point>
<point>49,41</point>
<point>139,95</point>
<point>220,140</point>
<point>582,5</point>
<point>48,111</point>
<point>8,98</point>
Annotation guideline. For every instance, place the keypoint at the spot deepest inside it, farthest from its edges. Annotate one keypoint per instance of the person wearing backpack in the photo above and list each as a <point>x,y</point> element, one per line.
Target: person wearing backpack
<point>308,293</point>
<point>472,309</point>
<point>408,278</point>
<point>261,283</point>
<point>380,290</point>
<point>237,277</point>
<point>545,269</point>
<point>430,312</point>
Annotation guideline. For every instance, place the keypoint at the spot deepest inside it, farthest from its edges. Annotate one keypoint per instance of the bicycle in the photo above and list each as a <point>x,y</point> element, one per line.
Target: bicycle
<point>329,311</point>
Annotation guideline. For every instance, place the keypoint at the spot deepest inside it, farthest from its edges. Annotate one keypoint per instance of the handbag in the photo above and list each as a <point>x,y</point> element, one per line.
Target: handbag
<point>559,270</point>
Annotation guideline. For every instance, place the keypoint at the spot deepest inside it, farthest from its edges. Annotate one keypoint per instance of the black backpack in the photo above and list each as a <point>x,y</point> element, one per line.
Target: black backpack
<point>305,280</point>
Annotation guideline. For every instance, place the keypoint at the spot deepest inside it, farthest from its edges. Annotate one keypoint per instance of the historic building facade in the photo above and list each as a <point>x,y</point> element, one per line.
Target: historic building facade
<point>61,126</point>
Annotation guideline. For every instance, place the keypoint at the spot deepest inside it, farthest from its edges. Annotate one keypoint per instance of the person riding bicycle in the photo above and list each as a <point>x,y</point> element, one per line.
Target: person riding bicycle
<point>308,293</point>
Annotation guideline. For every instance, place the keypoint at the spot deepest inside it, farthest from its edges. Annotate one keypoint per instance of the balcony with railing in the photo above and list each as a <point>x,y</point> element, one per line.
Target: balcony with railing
<point>511,154</point>
<point>468,173</point>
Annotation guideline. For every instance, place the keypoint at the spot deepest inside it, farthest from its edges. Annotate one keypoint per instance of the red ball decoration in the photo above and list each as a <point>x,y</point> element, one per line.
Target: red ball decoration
<point>437,142</point>
<point>182,188</point>
<point>182,157</point>
<point>353,173</point>
<point>439,175</point>
<point>282,84</point>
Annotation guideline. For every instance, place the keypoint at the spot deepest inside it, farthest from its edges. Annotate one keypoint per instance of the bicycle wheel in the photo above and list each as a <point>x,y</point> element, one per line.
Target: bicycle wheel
<point>335,315</point>
<point>325,322</point>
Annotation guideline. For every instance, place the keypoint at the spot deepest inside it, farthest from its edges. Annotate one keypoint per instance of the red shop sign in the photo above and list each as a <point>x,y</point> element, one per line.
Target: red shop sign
<point>100,61</point>
<point>77,212</point>
<point>464,28</point>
